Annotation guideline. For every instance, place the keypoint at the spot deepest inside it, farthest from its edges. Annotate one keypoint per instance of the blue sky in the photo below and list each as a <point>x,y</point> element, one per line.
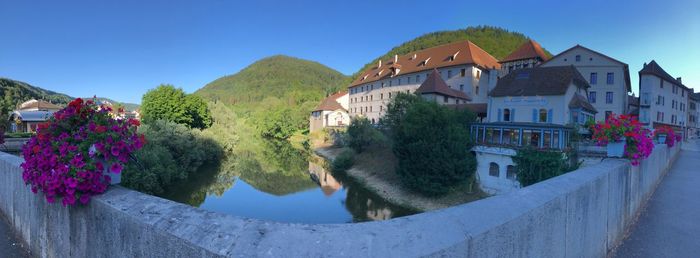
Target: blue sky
<point>120,49</point>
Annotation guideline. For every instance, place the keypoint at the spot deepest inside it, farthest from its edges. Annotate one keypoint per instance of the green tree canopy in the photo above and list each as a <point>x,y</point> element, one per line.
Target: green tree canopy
<point>172,104</point>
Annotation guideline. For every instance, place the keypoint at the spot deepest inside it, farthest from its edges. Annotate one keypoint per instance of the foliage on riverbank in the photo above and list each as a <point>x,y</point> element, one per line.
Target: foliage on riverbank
<point>536,165</point>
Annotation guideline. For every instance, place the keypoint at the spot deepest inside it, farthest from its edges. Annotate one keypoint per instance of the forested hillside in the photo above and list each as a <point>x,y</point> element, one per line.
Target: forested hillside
<point>277,92</point>
<point>496,41</point>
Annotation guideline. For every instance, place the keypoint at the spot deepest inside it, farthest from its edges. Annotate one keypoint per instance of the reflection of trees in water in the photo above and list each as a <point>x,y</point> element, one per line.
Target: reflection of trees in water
<point>361,203</point>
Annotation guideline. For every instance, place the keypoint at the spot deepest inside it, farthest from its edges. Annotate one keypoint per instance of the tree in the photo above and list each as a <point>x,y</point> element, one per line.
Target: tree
<point>432,143</point>
<point>172,104</point>
<point>361,134</point>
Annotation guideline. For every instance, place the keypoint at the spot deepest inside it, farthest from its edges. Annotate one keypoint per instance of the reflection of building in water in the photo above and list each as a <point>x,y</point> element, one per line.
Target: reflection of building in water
<point>320,175</point>
<point>382,213</point>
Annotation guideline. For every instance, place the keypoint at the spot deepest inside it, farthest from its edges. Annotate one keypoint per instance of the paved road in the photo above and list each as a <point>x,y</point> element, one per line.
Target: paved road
<point>670,224</point>
<point>9,244</point>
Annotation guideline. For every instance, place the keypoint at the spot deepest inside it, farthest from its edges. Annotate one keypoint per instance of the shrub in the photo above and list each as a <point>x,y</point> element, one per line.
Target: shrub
<point>344,161</point>
<point>431,143</point>
<point>173,152</point>
<point>172,104</point>
<point>536,165</point>
<point>361,134</point>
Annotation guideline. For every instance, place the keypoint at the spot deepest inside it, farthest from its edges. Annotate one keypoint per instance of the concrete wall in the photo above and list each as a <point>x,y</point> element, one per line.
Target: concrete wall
<point>580,214</point>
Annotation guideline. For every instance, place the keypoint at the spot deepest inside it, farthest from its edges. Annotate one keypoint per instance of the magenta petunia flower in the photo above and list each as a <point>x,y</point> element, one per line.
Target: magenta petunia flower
<point>116,168</point>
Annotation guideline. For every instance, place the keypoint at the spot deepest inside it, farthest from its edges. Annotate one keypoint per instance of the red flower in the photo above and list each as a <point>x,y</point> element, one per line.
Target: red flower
<point>100,129</point>
<point>134,122</point>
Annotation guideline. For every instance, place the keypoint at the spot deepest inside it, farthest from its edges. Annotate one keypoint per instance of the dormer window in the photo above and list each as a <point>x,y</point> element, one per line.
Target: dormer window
<point>364,77</point>
<point>454,56</point>
<point>578,58</point>
<point>380,73</point>
<point>425,62</point>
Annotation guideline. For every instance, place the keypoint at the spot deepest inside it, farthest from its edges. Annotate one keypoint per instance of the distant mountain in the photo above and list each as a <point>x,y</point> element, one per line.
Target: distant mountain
<point>127,106</point>
<point>496,41</point>
<point>15,92</point>
<point>290,79</point>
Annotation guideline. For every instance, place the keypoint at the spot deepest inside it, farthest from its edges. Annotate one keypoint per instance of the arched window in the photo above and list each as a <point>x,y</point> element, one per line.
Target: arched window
<point>543,116</point>
<point>506,115</point>
<point>494,169</point>
<point>511,172</point>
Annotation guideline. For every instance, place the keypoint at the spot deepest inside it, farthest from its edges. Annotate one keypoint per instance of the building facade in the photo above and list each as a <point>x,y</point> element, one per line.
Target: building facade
<point>529,54</point>
<point>663,99</point>
<point>463,66</point>
<point>332,112</point>
<point>529,107</point>
<point>28,115</point>
<point>693,115</point>
<point>609,79</point>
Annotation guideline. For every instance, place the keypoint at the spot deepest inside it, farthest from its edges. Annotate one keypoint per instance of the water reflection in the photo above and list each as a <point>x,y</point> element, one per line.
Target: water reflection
<point>280,183</point>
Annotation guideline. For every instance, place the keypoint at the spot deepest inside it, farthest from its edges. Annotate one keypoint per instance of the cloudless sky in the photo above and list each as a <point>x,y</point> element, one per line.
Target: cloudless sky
<point>120,49</point>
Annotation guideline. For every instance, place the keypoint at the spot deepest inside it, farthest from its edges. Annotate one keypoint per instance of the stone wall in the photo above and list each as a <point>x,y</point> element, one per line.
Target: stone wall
<point>580,214</point>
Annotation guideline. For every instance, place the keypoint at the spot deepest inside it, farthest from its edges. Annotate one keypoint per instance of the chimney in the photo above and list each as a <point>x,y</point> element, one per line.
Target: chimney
<point>645,65</point>
<point>380,63</point>
<point>396,59</point>
<point>679,80</point>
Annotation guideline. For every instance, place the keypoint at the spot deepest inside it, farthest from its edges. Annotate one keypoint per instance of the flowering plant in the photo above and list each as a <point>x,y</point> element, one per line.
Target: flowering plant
<point>69,154</point>
<point>638,141</point>
<point>671,136</point>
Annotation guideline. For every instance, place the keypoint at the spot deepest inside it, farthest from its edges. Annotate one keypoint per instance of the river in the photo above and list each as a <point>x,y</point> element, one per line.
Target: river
<point>280,183</point>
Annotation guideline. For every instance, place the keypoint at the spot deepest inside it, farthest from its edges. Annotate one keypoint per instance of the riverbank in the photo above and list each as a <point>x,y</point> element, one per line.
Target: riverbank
<point>375,170</point>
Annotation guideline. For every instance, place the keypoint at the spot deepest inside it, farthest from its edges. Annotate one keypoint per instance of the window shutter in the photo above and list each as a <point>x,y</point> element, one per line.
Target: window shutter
<point>549,115</point>
<point>500,114</point>
<point>534,115</point>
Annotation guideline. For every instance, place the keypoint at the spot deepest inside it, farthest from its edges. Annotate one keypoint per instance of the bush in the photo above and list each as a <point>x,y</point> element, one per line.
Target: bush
<point>432,144</point>
<point>172,104</point>
<point>173,152</point>
<point>361,134</point>
<point>18,135</point>
<point>344,161</point>
<point>535,165</point>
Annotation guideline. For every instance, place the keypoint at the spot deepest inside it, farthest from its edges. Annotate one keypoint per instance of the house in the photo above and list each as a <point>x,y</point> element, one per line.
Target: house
<point>694,115</point>
<point>529,54</point>
<point>332,112</point>
<point>663,99</point>
<point>30,114</point>
<point>434,88</point>
<point>529,107</point>
<point>463,66</point>
<point>609,78</point>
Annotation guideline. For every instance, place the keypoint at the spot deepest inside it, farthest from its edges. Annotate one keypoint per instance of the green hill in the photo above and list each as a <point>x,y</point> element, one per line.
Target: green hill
<point>16,92</point>
<point>286,78</point>
<point>496,41</point>
<point>127,106</point>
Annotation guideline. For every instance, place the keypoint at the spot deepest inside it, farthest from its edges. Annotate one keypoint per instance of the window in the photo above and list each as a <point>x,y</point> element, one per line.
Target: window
<point>661,83</point>
<point>477,89</point>
<point>645,98</point>
<point>445,99</point>
<point>463,72</point>
<point>371,97</point>
<point>478,74</point>
<point>461,87</point>
<point>658,100</point>
<point>543,116</point>
<point>511,173</point>
<point>658,116</point>
<point>578,58</point>
<point>449,74</point>
<point>382,85</point>
<point>591,97</point>
<point>609,97</point>
<point>611,78</point>
<point>594,78</point>
<point>493,169</point>
<point>608,114</point>
<point>389,94</point>
<point>547,141</point>
<point>399,81</point>
<point>381,95</point>
<point>408,80</point>
<point>506,115</point>
<point>418,78</point>
<point>391,82</point>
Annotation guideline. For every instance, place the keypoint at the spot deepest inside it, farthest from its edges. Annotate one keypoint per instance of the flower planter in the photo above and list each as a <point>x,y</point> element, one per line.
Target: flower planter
<point>616,149</point>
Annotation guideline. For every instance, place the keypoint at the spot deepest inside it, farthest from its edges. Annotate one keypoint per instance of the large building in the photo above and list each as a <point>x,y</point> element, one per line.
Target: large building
<point>663,99</point>
<point>529,107</point>
<point>609,79</point>
<point>332,112</point>
<point>529,54</point>
<point>694,115</point>
<point>463,66</point>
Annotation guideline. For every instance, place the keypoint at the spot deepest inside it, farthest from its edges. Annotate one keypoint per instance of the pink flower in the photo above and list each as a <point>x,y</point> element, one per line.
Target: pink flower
<point>116,168</point>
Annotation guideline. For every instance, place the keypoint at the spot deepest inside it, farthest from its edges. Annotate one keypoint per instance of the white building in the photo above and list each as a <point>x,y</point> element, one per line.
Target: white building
<point>462,65</point>
<point>332,112</point>
<point>530,107</point>
<point>609,78</point>
<point>30,114</point>
<point>529,54</point>
<point>693,115</point>
<point>663,99</point>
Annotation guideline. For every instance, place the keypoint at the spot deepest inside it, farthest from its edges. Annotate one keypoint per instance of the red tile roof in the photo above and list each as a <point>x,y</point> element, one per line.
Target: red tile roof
<point>435,84</point>
<point>331,102</point>
<point>527,50</point>
<point>458,53</point>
